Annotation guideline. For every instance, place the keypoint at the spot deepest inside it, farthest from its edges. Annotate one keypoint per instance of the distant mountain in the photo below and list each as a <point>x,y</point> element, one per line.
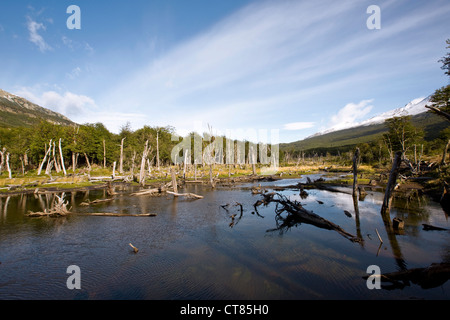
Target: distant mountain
<point>370,130</point>
<point>415,107</point>
<point>16,112</point>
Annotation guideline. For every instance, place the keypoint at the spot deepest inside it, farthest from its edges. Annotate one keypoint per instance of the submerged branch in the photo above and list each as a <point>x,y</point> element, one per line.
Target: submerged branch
<point>296,214</point>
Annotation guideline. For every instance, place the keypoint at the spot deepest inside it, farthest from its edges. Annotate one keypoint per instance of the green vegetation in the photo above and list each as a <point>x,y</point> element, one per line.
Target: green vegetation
<point>93,150</point>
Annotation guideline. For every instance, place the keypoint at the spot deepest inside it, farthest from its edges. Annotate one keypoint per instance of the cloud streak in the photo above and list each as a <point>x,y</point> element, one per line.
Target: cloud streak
<point>34,36</point>
<point>298,126</point>
<point>68,104</point>
<point>348,115</point>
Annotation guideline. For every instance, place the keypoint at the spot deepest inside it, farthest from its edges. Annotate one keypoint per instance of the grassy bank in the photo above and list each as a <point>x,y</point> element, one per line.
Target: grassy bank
<point>98,177</point>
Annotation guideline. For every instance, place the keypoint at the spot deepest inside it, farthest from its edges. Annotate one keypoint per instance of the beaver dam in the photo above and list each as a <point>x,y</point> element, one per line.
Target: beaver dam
<point>299,238</point>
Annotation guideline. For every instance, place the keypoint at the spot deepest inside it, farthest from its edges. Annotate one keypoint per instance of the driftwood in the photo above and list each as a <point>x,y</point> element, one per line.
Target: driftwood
<point>88,203</point>
<point>135,250</point>
<point>108,214</point>
<point>59,209</point>
<point>355,172</point>
<point>296,214</point>
<point>431,277</point>
<point>385,208</point>
<point>147,192</point>
<point>187,195</point>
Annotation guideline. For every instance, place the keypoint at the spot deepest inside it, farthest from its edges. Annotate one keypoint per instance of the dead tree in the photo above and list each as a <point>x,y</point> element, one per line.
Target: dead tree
<point>7,166</point>
<point>45,158</point>
<point>392,183</point>
<point>2,159</point>
<point>104,153</point>
<point>62,158</point>
<point>59,209</point>
<point>296,214</point>
<point>355,173</point>
<point>121,157</point>
<point>157,150</point>
<point>143,162</point>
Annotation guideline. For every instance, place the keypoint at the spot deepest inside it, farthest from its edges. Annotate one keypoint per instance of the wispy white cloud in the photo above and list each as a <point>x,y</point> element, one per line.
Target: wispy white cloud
<point>68,103</point>
<point>34,36</point>
<point>259,42</point>
<point>75,73</point>
<point>294,126</point>
<point>268,57</point>
<point>81,108</point>
<point>77,45</point>
<point>348,115</point>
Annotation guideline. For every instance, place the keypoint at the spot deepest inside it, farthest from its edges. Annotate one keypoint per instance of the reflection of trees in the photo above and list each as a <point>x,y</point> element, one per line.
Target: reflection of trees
<point>291,213</point>
<point>396,250</point>
<point>357,221</point>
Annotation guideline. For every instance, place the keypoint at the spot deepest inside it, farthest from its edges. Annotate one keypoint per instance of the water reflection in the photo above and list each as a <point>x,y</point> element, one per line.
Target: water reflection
<point>204,249</point>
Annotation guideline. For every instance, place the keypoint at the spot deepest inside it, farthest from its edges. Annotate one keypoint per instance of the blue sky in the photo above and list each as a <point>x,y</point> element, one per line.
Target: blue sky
<point>296,66</point>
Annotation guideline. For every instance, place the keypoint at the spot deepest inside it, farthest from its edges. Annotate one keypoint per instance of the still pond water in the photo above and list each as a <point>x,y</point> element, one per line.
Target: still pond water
<point>190,251</point>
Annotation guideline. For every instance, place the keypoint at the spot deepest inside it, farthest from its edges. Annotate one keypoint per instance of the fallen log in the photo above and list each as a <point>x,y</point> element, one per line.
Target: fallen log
<point>297,215</point>
<point>146,192</point>
<point>187,195</point>
<point>135,250</point>
<point>52,214</point>
<point>88,203</point>
<point>97,214</point>
<point>109,214</point>
<point>59,209</point>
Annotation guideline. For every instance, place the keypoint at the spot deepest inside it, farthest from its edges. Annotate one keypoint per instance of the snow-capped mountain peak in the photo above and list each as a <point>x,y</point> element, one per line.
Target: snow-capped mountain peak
<point>412,108</point>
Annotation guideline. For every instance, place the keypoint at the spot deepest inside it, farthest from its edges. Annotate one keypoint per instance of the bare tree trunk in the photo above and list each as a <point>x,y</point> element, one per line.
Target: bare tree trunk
<point>132,163</point>
<point>157,150</point>
<point>87,161</point>
<point>48,170</point>
<point>2,159</point>
<point>391,183</point>
<point>23,167</point>
<point>143,161</point>
<point>104,153</point>
<point>45,158</point>
<point>57,167</point>
<point>114,170</point>
<point>7,166</point>
<point>355,172</point>
<point>185,164</point>
<point>62,158</point>
<point>74,161</point>
<point>121,157</point>
<point>174,182</point>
